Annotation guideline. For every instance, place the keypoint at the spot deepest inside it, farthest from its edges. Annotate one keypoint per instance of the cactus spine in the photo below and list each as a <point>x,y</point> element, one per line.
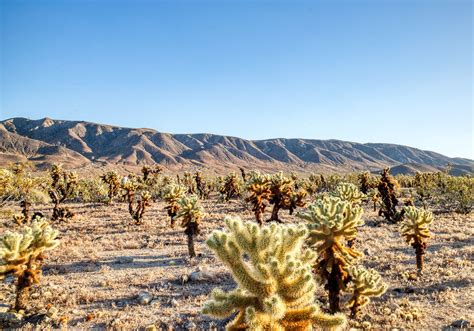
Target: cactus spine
<point>331,222</point>
<point>275,288</point>
<point>191,214</point>
<point>415,229</point>
<point>21,254</point>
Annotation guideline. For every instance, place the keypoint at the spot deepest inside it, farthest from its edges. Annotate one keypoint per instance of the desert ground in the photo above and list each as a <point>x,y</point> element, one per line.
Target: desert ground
<point>110,273</point>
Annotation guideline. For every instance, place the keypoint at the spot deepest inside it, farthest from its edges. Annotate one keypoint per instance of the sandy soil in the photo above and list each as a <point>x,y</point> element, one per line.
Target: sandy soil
<point>104,262</point>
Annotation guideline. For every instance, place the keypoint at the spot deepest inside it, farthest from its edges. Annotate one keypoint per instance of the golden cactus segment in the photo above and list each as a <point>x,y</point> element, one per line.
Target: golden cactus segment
<point>275,288</point>
<point>171,194</point>
<point>21,255</point>
<point>415,229</point>
<point>191,213</point>
<point>348,192</point>
<point>364,284</point>
<point>331,223</point>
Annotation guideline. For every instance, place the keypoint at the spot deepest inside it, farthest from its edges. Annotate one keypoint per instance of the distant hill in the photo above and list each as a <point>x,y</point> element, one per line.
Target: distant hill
<point>77,143</point>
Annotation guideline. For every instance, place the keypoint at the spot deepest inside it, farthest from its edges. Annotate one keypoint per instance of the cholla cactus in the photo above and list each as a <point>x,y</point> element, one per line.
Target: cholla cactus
<point>63,186</point>
<point>332,222</point>
<point>201,186</point>
<point>136,207</point>
<point>348,192</point>
<point>365,182</point>
<point>387,188</point>
<point>415,229</point>
<point>171,194</point>
<point>112,179</point>
<point>21,254</point>
<point>284,196</point>
<point>364,284</point>
<point>191,213</point>
<point>258,186</point>
<point>374,196</point>
<point>231,187</point>
<point>149,172</point>
<point>275,288</point>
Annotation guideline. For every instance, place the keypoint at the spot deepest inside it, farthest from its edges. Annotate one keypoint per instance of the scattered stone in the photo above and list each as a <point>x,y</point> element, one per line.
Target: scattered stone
<point>367,252</point>
<point>144,298</point>
<point>103,283</point>
<point>202,276</point>
<point>47,295</point>
<point>174,303</point>
<point>124,259</point>
<point>461,324</point>
<point>190,326</point>
<point>35,295</point>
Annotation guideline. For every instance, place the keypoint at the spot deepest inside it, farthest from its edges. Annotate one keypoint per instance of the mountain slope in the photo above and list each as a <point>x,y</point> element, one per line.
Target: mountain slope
<point>95,142</point>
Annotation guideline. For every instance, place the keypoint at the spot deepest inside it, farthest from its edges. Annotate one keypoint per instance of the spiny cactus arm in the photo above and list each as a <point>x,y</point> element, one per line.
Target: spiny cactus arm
<point>364,284</point>
<point>329,322</point>
<point>229,252</point>
<point>223,304</point>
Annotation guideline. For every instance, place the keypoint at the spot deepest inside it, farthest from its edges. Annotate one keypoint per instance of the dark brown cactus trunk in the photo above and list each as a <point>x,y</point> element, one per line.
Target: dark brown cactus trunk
<point>259,216</point>
<point>355,307</point>
<point>334,289</point>
<point>192,252</point>
<point>274,217</point>
<point>420,252</point>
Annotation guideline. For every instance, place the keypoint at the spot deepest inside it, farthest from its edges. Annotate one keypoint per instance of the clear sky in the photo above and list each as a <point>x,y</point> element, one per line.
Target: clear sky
<point>367,71</point>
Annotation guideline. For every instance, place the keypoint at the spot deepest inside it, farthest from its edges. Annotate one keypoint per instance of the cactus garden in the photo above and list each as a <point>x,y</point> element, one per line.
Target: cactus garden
<point>155,250</point>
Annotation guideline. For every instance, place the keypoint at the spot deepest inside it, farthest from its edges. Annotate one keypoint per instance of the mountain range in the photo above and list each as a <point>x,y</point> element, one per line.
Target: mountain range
<point>79,144</point>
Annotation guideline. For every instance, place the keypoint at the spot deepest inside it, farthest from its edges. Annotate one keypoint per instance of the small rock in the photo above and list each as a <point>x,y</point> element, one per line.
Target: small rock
<point>174,303</point>
<point>461,324</point>
<point>184,279</point>
<point>124,260</point>
<point>367,252</point>
<point>202,276</point>
<point>103,283</point>
<point>144,298</point>
<point>35,295</point>
<point>47,295</point>
<point>190,326</point>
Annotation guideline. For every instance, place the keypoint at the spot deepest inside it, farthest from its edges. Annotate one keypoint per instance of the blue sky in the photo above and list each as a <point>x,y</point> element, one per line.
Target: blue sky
<point>366,71</point>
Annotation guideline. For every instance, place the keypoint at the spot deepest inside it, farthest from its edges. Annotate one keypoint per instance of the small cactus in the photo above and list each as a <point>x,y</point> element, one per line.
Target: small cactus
<point>258,186</point>
<point>363,285</point>
<point>415,229</point>
<point>112,179</point>
<point>191,213</point>
<point>387,188</point>
<point>21,255</point>
<point>275,288</point>
<point>348,192</point>
<point>63,186</point>
<point>136,206</point>
<point>172,193</point>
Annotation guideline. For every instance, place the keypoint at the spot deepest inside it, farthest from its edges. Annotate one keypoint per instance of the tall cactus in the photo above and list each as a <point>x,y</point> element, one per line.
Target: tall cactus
<point>137,203</point>
<point>172,193</point>
<point>191,213</point>
<point>21,255</point>
<point>415,229</point>
<point>258,186</point>
<point>363,285</point>
<point>230,187</point>
<point>275,288</point>
<point>331,223</point>
<point>387,188</point>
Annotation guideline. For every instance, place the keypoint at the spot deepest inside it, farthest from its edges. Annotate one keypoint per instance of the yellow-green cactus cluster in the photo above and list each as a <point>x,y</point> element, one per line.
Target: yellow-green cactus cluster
<point>365,283</point>
<point>415,229</point>
<point>275,288</point>
<point>415,224</point>
<point>348,192</point>
<point>171,193</point>
<point>331,220</point>
<point>16,249</point>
